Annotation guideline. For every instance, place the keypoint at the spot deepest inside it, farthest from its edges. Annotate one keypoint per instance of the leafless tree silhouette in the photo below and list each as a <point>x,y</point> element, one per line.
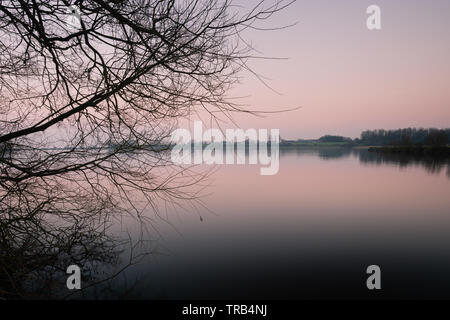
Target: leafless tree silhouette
<point>89,93</point>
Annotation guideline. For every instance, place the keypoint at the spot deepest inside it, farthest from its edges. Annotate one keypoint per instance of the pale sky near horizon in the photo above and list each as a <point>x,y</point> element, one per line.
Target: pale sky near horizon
<point>347,78</point>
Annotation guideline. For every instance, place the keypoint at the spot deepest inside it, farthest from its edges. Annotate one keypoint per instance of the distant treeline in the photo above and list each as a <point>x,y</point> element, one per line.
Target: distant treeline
<point>329,138</point>
<point>381,137</point>
<point>407,136</point>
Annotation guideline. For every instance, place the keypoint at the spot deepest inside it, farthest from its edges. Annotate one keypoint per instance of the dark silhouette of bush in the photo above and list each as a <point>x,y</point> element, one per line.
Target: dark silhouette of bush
<point>330,138</point>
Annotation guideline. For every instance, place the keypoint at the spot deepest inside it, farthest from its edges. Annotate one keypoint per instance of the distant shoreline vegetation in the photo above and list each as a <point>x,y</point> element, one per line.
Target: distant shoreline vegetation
<point>414,138</point>
<point>409,140</point>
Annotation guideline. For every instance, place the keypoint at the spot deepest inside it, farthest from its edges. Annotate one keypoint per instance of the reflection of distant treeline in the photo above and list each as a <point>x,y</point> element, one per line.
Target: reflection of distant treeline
<point>431,163</point>
<point>415,150</point>
<point>323,153</point>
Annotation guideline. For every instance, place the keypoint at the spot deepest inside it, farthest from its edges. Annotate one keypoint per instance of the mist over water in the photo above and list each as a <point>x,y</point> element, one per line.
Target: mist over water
<point>308,232</point>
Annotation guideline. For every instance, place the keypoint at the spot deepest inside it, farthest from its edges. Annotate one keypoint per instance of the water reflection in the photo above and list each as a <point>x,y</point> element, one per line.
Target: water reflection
<point>311,231</point>
<point>35,253</point>
<point>43,234</point>
<point>307,232</point>
<point>432,164</point>
<point>323,153</point>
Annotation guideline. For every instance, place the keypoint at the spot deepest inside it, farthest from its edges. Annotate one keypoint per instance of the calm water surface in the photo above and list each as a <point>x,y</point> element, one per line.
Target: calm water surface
<point>308,232</point>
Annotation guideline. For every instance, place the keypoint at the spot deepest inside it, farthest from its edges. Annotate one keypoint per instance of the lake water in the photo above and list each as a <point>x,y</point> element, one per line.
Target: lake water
<point>308,232</point>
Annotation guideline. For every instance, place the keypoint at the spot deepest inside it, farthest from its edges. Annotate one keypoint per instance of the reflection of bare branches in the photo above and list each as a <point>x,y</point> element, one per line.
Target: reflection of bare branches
<point>38,243</point>
<point>48,224</point>
<point>133,259</point>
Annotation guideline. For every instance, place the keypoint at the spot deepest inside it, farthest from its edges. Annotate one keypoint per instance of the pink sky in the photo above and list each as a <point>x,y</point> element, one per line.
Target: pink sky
<point>347,78</point>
